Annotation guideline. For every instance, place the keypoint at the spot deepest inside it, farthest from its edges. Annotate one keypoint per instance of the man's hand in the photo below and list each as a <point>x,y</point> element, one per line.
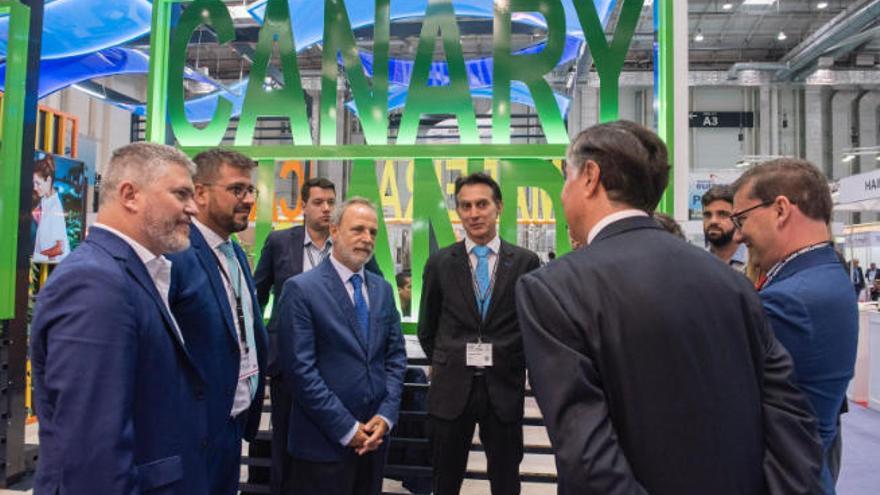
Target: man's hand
<point>359,438</point>
<point>376,428</point>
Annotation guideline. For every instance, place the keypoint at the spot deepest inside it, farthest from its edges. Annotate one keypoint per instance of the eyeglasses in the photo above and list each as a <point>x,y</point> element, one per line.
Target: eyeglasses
<point>240,191</point>
<point>738,218</point>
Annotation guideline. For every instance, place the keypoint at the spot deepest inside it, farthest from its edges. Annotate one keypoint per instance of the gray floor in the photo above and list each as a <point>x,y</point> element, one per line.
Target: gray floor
<point>860,474</point>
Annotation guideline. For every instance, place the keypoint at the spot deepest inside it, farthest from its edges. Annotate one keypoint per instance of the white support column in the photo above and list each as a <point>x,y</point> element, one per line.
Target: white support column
<point>681,175</point>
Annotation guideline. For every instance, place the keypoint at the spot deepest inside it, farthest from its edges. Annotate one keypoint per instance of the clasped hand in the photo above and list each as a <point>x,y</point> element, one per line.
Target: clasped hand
<point>369,436</point>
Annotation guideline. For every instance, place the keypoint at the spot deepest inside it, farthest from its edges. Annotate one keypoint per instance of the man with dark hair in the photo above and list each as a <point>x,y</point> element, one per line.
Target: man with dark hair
<point>782,211</point>
<point>666,383</point>
<point>404,291</point>
<point>718,230</point>
<point>119,397</point>
<point>214,301</point>
<point>470,334</point>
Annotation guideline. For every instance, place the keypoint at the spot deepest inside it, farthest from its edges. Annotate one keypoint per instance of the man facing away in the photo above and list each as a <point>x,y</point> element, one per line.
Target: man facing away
<point>341,352</point>
<point>470,334</point>
<point>214,302</point>
<point>718,230</point>
<point>678,390</point>
<point>119,398</point>
<point>783,208</point>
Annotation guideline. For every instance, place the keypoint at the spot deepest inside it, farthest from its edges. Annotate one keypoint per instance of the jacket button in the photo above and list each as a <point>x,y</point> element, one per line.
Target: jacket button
<point>366,400</point>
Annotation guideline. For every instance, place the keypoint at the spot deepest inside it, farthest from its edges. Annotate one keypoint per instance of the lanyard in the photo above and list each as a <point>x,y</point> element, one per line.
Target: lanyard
<point>323,252</point>
<point>774,271</point>
<point>239,311</point>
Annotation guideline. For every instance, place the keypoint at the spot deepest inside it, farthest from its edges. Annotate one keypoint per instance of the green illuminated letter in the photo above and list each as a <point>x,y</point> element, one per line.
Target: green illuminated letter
<point>530,69</point>
<point>288,101</point>
<point>454,98</point>
<point>210,13</point>
<point>609,60</point>
<point>512,175</point>
<point>372,107</point>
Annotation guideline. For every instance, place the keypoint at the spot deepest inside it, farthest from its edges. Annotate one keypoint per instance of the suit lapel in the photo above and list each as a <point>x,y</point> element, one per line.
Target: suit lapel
<point>120,250</point>
<point>295,250</point>
<point>340,294</point>
<point>375,333</point>
<point>502,276</point>
<point>461,269</point>
<point>209,263</point>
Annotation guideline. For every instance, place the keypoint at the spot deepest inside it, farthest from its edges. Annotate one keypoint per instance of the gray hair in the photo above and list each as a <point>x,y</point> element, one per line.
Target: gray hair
<point>336,216</point>
<point>140,163</point>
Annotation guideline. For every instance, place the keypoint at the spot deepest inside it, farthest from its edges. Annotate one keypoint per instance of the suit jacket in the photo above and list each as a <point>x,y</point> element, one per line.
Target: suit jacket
<point>449,319</point>
<point>280,259</point>
<point>335,376</point>
<point>870,275</point>
<point>200,304</point>
<point>813,311</point>
<point>121,403</point>
<point>666,383</point>
<point>857,277</point>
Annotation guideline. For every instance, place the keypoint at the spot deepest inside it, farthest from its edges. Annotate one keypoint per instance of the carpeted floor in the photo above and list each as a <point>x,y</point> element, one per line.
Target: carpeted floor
<point>860,471</point>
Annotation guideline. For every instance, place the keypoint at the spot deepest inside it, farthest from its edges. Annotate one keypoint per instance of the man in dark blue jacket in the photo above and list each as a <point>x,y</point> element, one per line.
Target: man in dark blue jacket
<point>215,303</point>
<point>781,211</point>
<point>120,400</point>
<point>342,353</point>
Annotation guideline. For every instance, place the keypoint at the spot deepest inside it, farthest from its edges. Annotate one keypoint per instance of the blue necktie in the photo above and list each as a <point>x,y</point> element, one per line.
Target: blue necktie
<point>482,275</point>
<point>360,305</point>
<point>235,278</point>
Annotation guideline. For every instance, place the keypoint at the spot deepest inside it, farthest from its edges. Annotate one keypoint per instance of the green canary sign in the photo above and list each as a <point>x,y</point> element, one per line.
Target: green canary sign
<point>519,165</point>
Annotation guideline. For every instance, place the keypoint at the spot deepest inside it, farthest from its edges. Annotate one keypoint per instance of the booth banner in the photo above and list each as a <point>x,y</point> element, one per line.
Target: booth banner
<point>859,187</point>
<point>702,181</point>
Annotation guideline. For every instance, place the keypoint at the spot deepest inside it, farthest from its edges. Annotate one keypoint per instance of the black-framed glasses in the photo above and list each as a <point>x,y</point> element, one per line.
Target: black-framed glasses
<point>738,217</point>
<point>240,191</point>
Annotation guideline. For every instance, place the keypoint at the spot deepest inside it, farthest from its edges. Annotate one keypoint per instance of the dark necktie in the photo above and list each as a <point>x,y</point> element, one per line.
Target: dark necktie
<point>360,305</point>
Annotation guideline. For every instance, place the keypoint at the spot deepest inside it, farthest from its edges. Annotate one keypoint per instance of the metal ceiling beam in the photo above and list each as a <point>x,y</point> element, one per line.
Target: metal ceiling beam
<point>848,23</point>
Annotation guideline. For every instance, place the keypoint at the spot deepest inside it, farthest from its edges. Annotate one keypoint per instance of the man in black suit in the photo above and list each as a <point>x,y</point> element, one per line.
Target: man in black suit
<point>469,332</point>
<point>858,277</point>
<point>668,383</point>
<point>286,253</point>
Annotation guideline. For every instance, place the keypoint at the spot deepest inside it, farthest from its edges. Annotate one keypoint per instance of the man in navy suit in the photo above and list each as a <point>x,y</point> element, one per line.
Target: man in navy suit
<point>342,353</point>
<point>782,211</point>
<point>214,301</point>
<point>120,400</point>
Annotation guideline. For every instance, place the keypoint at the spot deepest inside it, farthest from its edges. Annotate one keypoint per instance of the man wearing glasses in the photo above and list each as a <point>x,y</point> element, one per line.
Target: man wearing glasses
<point>215,303</point>
<point>782,210</point>
<point>718,230</point>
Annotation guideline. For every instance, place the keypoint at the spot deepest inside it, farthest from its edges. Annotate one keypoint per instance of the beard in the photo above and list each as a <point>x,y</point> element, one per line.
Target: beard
<point>169,233</point>
<point>719,239</point>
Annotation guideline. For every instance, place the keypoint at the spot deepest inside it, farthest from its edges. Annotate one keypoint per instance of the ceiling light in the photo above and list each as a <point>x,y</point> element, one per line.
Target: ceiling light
<point>727,6</point>
<point>781,36</point>
<point>759,2</point>
<point>699,36</point>
<point>848,158</point>
<point>822,5</point>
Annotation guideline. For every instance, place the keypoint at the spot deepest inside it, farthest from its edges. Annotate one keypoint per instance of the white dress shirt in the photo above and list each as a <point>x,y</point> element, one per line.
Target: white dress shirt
<point>312,253</point>
<point>243,390</point>
<point>345,274</point>
<point>158,267</point>
<point>494,246</point>
<point>620,215</point>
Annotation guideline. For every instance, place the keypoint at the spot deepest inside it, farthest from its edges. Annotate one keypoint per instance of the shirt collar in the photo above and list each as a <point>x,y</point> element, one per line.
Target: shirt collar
<point>494,245</point>
<point>210,236</point>
<point>142,252</point>
<point>307,239</point>
<point>608,220</point>
<point>344,272</point>
<point>741,255</point>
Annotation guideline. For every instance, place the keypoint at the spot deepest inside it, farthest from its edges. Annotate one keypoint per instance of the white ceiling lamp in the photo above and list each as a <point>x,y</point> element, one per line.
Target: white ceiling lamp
<point>781,36</point>
<point>822,5</point>
<point>759,2</point>
<point>727,6</point>
<point>699,36</point>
